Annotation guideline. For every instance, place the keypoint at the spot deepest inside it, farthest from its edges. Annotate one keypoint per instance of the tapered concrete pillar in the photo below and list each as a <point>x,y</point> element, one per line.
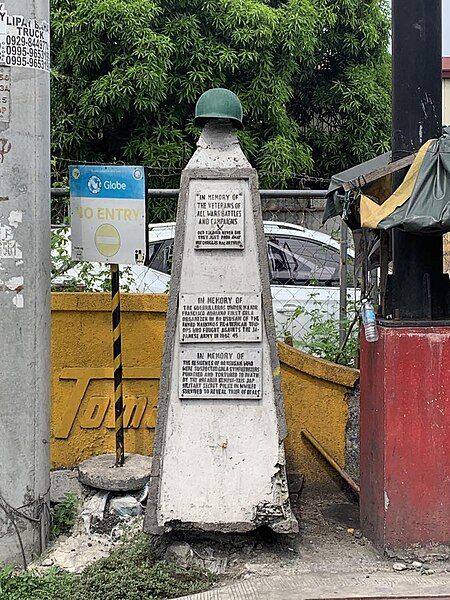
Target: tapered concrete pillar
<point>218,461</point>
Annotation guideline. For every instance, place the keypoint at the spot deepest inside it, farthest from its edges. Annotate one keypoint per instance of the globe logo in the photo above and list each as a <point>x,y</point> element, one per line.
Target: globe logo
<point>94,184</point>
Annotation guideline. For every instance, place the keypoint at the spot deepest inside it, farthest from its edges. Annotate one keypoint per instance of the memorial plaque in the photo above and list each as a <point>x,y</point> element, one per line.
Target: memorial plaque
<point>219,220</point>
<point>220,317</point>
<point>233,373</point>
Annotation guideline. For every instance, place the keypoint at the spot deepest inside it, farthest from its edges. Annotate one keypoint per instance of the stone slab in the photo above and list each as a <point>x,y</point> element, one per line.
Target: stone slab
<point>99,472</point>
<point>317,586</point>
<point>220,318</point>
<point>232,372</point>
<point>219,218</point>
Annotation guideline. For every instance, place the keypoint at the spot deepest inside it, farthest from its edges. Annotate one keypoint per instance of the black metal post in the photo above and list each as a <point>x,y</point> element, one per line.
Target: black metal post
<point>117,357</point>
<point>417,290</point>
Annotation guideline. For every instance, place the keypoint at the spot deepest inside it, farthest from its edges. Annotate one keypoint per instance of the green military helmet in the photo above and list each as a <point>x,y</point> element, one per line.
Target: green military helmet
<point>218,103</point>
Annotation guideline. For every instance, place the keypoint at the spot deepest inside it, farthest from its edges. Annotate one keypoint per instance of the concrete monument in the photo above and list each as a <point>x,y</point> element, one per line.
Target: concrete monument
<point>218,461</point>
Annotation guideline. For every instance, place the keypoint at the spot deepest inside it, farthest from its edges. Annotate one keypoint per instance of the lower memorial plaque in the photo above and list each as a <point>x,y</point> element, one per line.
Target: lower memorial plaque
<point>234,373</point>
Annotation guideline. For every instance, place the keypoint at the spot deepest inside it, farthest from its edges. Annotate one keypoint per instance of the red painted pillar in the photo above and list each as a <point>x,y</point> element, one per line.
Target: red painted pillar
<point>405,437</point>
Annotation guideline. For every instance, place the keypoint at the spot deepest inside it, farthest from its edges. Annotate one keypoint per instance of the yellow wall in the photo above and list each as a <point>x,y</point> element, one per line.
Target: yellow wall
<point>82,375</point>
<point>315,396</point>
<point>82,412</point>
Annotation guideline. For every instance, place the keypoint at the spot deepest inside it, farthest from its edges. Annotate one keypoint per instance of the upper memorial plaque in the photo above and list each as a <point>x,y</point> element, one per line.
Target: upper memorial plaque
<point>219,219</point>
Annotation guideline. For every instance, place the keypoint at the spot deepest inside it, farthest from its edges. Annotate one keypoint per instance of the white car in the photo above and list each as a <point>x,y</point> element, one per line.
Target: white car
<point>303,265</point>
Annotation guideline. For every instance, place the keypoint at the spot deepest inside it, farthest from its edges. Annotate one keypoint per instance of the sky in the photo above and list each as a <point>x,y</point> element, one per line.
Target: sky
<point>446,27</point>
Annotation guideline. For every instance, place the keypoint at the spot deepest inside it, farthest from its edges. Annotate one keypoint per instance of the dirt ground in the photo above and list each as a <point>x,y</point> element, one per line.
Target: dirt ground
<point>329,541</point>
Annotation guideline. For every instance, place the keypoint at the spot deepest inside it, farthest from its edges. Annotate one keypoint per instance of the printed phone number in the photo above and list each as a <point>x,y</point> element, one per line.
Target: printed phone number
<point>21,51</point>
<point>28,60</point>
<point>22,40</point>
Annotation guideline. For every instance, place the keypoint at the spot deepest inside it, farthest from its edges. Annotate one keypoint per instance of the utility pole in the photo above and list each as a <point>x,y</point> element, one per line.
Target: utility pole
<point>24,278</point>
<point>417,289</point>
<point>405,376</point>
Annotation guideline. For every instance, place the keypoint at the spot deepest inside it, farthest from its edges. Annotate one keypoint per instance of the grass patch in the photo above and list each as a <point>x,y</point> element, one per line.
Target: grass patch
<point>131,572</point>
<point>26,585</point>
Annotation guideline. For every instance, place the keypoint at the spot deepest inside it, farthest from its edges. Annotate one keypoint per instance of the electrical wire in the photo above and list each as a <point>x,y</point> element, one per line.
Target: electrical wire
<point>19,537</point>
<point>41,508</point>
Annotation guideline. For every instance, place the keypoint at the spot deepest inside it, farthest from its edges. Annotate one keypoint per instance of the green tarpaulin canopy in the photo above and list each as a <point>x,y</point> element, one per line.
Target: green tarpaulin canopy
<point>421,204</point>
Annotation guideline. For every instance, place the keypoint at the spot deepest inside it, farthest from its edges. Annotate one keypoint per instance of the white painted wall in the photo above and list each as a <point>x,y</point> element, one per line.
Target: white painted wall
<point>446,101</point>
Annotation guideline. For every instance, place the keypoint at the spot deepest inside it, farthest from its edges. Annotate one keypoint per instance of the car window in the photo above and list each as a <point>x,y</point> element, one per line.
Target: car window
<point>153,248</point>
<point>160,256</point>
<point>299,261</point>
<point>292,260</point>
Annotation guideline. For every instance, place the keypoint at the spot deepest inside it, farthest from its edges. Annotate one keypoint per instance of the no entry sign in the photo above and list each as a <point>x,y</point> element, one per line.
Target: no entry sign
<point>108,214</point>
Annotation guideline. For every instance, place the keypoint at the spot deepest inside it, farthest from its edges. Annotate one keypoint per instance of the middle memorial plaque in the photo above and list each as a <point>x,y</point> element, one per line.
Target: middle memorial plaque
<point>220,318</point>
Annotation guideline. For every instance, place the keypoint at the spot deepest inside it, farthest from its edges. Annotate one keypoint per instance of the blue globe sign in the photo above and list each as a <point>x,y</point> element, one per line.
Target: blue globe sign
<point>94,184</point>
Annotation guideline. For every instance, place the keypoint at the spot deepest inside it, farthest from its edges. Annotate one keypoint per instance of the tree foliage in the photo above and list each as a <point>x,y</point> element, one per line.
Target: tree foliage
<point>312,75</point>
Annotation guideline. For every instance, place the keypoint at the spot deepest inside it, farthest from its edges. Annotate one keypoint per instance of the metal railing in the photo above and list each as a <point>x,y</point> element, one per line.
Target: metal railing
<point>173,193</point>
<point>313,297</point>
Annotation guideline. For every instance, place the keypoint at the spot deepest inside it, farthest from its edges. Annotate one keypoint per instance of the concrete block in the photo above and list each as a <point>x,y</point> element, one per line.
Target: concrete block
<point>125,506</point>
<point>62,482</point>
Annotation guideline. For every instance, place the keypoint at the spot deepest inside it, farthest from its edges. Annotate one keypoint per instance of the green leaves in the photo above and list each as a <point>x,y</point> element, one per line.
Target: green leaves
<point>281,158</point>
<point>27,585</point>
<point>322,335</point>
<point>312,75</point>
<point>64,515</point>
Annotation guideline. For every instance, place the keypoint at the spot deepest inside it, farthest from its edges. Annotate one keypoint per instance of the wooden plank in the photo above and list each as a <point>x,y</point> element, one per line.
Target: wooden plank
<point>393,167</point>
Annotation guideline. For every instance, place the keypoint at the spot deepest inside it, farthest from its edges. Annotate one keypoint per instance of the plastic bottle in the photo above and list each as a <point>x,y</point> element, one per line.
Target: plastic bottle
<point>369,321</point>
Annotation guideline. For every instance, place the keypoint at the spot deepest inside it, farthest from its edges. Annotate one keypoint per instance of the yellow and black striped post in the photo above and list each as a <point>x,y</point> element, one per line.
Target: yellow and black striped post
<point>117,356</point>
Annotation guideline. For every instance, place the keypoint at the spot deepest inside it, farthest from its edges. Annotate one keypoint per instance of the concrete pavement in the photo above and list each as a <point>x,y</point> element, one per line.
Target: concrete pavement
<point>308,586</point>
